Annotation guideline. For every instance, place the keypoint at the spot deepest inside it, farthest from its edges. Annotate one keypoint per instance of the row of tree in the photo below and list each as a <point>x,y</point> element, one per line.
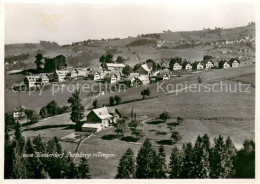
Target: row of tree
<point>52,109</point>
<point>50,64</point>
<point>22,162</point>
<point>201,160</point>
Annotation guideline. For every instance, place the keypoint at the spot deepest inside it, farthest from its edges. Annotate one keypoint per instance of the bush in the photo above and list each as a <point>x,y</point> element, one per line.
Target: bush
<point>129,139</point>
<point>154,122</point>
<point>160,133</point>
<point>110,137</point>
<point>164,116</point>
<point>165,142</point>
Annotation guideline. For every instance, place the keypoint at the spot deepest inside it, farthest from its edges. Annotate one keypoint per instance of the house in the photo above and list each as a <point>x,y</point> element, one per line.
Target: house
<point>234,62</point>
<point>145,79</point>
<point>43,79</point>
<point>136,82</point>
<point>112,77</point>
<point>208,64</point>
<point>97,74</point>
<point>82,72</point>
<point>97,119</point>
<point>197,65</point>
<point>161,75</point>
<point>144,69</point>
<point>129,81</point>
<point>115,66</point>
<point>187,66</point>
<point>177,66</point>
<point>224,64</point>
<point>60,75</point>
<point>91,127</point>
<point>30,81</point>
<point>19,112</point>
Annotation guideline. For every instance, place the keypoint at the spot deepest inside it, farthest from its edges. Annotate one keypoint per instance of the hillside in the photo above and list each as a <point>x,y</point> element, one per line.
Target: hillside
<point>190,45</point>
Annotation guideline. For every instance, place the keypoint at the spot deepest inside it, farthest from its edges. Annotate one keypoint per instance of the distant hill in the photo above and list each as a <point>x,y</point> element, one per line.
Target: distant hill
<point>191,45</point>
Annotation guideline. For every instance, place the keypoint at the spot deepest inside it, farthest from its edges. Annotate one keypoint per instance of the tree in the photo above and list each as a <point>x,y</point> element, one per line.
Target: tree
<point>179,120</point>
<point>244,162</point>
<point>145,92</point>
<point>176,136</point>
<point>43,112</point>
<point>34,167</point>
<point>127,70</point>
<point>111,101</point>
<point>102,59</point>
<point>126,167</point>
<point>39,61</point>
<point>28,113</point>
<point>38,144</point>
<point>207,57</point>
<point>117,99</point>
<point>146,161</point>
<point>83,169</point>
<point>151,62</point>
<point>34,118</point>
<point>132,113</point>
<point>55,63</point>
<point>229,158</point>
<point>164,116</point>
<point>199,80</point>
<point>95,104</point>
<point>121,126</point>
<point>109,58</point>
<point>161,173</point>
<point>137,66</point>
<point>52,107</point>
<point>201,159</point>
<point>218,162</point>
<point>60,62</point>
<point>49,65</point>
<point>175,163</point>
<point>77,109</point>
<point>188,167</point>
<point>137,133</point>
<point>9,122</point>
<point>119,59</point>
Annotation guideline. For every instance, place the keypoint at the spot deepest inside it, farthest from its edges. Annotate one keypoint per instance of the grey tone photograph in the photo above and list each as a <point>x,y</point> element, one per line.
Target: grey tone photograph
<point>129,91</point>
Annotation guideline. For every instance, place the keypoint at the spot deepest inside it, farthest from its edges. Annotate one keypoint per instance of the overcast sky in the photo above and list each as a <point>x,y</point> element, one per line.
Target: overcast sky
<point>66,23</point>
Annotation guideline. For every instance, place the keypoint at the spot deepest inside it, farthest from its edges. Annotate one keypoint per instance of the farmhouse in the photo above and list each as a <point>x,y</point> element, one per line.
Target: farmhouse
<point>197,65</point>
<point>60,75</point>
<point>187,66</point>
<point>115,66</point>
<point>161,75</point>
<point>113,77</point>
<point>97,74</point>
<point>98,119</point>
<point>44,79</point>
<point>208,64</point>
<point>234,62</point>
<point>19,112</point>
<point>30,81</point>
<point>177,66</point>
<point>129,81</point>
<point>223,64</point>
<point>145,79</point>
<point>144,69</point>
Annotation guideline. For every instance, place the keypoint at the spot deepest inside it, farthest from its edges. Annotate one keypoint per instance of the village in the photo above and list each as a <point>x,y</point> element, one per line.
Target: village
<point>113,73</point>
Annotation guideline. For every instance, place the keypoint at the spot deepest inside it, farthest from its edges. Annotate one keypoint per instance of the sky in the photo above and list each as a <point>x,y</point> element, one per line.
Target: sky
<point>67,23</point>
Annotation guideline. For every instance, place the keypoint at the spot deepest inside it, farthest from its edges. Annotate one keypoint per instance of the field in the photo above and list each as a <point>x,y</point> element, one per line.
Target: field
<point>224,113</point>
